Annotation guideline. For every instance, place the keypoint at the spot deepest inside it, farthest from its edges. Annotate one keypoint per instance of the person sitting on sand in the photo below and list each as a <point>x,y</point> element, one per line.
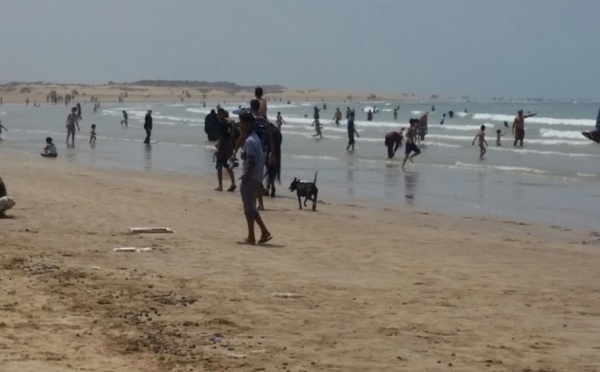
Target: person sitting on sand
<point>2,127</point>
<point>50,149</point>
<point>6,202</point>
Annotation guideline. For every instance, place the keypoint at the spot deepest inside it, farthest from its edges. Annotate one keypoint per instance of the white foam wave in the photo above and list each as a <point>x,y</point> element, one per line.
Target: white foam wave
<point>527,141</point>
<point>416,112</point>
<point>312,157</point>
<point>542,152</point>
<point>462,114</point>
<point>586,175</point>
<point>552,133</point>
<point>465,127</point>
<point>536,120</point>
<point>504,168</point>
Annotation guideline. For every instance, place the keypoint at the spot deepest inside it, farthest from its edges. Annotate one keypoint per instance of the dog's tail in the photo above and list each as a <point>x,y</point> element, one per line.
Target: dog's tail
<point>315,178</point>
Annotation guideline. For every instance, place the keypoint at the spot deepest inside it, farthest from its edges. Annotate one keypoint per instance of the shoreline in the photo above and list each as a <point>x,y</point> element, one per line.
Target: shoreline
<point>379,288</point>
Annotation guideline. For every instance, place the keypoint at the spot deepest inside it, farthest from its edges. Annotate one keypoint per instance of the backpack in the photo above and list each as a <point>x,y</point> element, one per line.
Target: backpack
<point>260,128</point>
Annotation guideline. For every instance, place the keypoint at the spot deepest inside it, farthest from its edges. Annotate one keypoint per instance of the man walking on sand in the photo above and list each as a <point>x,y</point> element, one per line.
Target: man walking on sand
<point>72,122</point>
<point>148,126</point>
<point>253,168</point>
<point>518,127</point>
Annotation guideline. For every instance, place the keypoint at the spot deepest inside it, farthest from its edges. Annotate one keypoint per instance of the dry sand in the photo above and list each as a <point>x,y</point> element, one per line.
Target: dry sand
<point>382,289</point>
<point>111,93</point>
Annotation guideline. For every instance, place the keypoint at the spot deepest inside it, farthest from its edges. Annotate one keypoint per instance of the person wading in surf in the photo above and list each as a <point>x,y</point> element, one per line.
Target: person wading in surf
<point>518,127</point>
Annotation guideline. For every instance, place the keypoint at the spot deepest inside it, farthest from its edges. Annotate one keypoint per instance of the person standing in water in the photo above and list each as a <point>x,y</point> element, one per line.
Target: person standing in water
<point>148,126</point>
<point>395,114</point>
<point>316,123</point>
<point>125,119</point>
<point>258,93</point>
<point>393,140</point>
<point>411,146</point>
<point>481,136</point>
<point>370,115</point>
<point>1,128</point>
<point>279,120</point>
<point>351,132</point>
<point>72,122</point>
<point>79,112</point>
<point>337,116</point>
<point>518,127</point>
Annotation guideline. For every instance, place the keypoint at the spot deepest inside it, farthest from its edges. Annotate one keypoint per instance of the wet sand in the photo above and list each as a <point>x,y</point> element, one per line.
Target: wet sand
<point>379,289</point>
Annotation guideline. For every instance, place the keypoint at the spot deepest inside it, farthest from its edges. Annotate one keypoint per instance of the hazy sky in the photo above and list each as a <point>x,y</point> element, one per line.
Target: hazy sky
<point>512,48</point>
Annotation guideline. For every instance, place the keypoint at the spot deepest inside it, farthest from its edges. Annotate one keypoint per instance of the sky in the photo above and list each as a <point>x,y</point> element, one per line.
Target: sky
<point>478,48</point>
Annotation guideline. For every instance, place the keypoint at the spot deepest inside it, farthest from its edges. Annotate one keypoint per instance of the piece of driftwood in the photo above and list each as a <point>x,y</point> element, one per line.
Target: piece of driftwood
<point>150,230</point>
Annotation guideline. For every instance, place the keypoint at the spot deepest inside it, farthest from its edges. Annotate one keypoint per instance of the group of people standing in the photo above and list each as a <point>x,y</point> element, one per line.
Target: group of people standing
<point>260,143</point>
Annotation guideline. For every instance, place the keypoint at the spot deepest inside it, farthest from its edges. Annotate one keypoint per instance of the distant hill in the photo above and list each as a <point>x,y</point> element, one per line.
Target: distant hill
<point>205,85</point>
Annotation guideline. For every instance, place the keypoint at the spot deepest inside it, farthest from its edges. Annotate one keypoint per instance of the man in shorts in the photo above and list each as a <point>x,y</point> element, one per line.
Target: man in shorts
<point>518,127</point>
<point>224,150</point>
<point>72,122</point>
<point>411,146</point>
<point>253,169</point>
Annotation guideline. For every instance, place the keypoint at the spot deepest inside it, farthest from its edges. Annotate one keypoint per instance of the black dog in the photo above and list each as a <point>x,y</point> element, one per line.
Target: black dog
<point>306,189</point>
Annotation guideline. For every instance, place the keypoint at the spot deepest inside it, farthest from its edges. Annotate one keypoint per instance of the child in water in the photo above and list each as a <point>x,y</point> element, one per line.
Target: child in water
<point>498,135</point>
<point>481,136</point>
<point>93,134</point>
<point>50,149</point>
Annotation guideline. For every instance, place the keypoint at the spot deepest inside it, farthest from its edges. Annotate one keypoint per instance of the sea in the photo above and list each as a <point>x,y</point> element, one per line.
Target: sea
<point>553,179</point>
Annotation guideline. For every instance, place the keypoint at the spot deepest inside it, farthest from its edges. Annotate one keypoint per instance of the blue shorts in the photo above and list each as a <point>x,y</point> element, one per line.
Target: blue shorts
<point>412,147</point>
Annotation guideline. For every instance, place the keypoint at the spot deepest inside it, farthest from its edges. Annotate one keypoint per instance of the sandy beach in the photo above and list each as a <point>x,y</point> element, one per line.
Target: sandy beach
<point>37,92</point>
<point>378,289</point>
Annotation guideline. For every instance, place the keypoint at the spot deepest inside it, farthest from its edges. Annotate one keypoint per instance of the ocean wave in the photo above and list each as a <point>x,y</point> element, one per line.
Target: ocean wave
<point>505,168</point>
<point>552,133</point>
<point>536,120</point>
<point>542,152</point>
<point>473,128</point>
<point>312,157</point>
<point>527,141</point>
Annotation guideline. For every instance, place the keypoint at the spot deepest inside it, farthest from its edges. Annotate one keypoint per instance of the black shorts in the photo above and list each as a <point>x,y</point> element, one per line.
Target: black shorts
<point>411,147</point>
<point>222,161</point>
